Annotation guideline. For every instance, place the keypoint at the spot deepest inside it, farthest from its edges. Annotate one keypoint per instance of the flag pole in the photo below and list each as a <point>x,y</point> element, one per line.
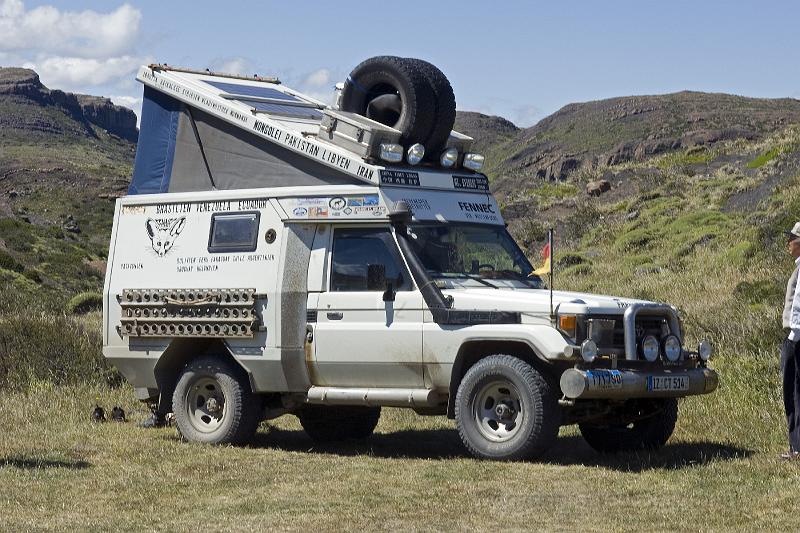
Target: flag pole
<point>552,266</point>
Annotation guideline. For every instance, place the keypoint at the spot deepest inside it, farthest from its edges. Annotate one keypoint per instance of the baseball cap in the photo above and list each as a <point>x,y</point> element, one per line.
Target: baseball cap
<point>794,232</point>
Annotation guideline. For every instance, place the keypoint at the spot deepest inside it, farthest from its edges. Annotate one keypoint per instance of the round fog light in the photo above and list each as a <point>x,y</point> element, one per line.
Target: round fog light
<point>449,157</point>
<point>588,350</point>
<point>415,154</point>
<point>705,350</point>
<point>672,348</point>
<point>650,348</point>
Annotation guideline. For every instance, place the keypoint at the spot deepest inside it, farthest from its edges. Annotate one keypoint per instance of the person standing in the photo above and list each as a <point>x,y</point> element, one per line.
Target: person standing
<point>790,351</point>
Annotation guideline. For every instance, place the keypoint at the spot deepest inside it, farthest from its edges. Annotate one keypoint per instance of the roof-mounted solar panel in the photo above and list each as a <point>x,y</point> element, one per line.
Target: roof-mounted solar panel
<point>268,100</point>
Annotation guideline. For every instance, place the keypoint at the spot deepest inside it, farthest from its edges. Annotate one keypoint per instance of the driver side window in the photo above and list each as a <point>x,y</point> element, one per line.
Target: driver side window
<point>365,260</point>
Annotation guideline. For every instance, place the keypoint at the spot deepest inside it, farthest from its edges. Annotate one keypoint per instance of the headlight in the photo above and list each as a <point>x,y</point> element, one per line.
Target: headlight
<point>415,154</point>
<point>672,348</point>
<point>650,348</point>
<point>473,161</point>
<point>704,350</point>
<point>588,350</point>
<point>393,153</point>
<point>449,158</point>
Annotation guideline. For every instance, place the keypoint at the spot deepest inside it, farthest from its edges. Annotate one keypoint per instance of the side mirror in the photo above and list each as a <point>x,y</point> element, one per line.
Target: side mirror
<point>376,277</point>
<point>388,294</point>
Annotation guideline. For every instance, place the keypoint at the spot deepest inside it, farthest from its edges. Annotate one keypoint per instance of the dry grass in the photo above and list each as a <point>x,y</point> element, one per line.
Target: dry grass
<point>58,471</point>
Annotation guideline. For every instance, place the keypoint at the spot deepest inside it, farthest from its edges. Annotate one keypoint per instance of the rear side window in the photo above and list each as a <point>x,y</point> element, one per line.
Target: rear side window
<point>233,232</point>
<point>364,259</point>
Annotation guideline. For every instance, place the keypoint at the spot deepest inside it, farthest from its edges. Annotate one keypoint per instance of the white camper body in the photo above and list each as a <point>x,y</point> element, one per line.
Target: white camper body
<point>344,282</point>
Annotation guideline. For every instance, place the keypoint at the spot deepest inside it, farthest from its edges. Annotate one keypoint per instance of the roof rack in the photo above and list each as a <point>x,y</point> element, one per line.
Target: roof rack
<point>164,66</point>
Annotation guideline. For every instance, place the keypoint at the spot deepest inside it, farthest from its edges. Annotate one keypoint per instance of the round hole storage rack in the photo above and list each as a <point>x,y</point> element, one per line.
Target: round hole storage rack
<point>222,313</point>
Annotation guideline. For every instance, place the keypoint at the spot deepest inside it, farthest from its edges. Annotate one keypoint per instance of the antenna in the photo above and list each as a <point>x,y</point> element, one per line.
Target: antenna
<point>552,267</point>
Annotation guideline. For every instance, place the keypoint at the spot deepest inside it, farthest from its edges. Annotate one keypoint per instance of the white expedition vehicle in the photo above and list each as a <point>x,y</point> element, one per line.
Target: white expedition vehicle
<point>276,255</point>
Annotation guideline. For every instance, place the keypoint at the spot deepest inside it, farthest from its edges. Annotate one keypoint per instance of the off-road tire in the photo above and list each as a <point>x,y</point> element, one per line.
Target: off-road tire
<point>537,401</point>
<point>445,108</point>
<point>646,434</point>
<point>216,376</point>
<point>383,75</point>
<point>329,423</point>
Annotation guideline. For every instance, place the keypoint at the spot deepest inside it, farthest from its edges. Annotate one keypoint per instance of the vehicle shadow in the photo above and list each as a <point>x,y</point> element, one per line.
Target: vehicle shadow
<point>25,463</point>
<point>446,444</point>
<point>573,450</point>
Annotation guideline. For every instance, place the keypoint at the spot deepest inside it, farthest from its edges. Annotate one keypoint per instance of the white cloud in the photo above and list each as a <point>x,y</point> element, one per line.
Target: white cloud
<point>78,51</point>
<point>87,34</point>
<point>318,78</point>
<point>74,73</point>
<point>234,65</point>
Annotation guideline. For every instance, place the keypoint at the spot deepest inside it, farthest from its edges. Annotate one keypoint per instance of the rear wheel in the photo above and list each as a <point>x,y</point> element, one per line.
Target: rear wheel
<point>327,423</point>
<point>648,433</point>
<point>213,403</point>
<point>506,409</point>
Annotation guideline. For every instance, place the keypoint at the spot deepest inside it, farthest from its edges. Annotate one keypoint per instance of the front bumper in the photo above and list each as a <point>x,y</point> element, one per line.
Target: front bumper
<point>623,384</point>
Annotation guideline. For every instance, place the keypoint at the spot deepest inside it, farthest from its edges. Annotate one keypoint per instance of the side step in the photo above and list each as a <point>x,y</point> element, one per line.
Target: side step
<point>373,397</point>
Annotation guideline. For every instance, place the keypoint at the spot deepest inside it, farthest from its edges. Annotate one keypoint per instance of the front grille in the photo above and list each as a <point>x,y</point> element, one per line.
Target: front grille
<point>645,325</point>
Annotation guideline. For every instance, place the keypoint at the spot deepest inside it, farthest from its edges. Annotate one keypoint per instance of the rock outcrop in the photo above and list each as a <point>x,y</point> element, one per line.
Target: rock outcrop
<point>101,112</point>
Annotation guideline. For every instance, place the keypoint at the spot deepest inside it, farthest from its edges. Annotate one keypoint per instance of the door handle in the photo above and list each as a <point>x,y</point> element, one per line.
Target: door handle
<point>335,316</point>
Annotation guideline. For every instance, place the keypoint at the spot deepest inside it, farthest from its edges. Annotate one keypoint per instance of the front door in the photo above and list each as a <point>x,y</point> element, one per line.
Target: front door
<point>363,337</point>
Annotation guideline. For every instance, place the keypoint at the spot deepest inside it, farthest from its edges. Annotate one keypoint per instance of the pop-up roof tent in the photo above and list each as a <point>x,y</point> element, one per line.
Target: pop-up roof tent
<point>203,131</point>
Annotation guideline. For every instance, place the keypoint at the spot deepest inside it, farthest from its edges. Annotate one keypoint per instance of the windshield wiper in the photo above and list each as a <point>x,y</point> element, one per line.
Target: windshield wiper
<point>445,275</point>
<point>478,279</point>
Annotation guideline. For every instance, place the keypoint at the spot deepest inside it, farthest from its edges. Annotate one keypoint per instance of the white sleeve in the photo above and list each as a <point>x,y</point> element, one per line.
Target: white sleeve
<point>794,317</point>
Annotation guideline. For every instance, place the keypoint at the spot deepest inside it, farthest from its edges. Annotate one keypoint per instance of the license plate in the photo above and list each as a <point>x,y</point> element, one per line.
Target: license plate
<point>667,383</point>
<point>605,379</point>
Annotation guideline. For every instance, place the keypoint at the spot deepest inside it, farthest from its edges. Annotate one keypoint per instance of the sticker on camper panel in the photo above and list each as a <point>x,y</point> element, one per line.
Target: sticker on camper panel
<point>299,211</point>
<point>338,203</point>
<point>163,233</point>
<point>399,177</point>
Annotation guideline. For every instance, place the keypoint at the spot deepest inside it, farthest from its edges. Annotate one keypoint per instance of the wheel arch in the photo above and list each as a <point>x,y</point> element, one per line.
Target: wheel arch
<point>181,352</point>
<point>473,351</point>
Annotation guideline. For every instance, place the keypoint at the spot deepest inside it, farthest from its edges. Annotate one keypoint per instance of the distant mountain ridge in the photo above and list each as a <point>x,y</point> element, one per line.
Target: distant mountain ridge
<point>617,130</point>
<point>20,85</point>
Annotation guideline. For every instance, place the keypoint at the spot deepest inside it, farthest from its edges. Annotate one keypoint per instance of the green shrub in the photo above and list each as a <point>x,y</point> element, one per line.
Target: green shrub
<point>768,156</point>
<point>9,263</point>
<point>52,348</point>
<point>84,303</point>
<point>570,259</point>
<point>17,235</point>
<point>760,291</point>
<point>32,275</point>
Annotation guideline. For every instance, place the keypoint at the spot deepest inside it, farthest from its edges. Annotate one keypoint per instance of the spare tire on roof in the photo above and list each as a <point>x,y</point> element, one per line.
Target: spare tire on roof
<point>394,92</point>
<point>444,109</point>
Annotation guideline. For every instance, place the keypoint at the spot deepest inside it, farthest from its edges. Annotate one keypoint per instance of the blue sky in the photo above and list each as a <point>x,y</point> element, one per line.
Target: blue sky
<point>520,60</point>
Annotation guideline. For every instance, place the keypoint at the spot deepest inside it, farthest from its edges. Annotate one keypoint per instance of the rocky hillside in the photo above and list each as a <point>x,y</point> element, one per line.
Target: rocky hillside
<point>64,158</point>
<point>58,112</point>
<point>609,132</point>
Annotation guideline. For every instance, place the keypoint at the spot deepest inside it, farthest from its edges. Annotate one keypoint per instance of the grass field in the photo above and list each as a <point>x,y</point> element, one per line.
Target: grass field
<point>678,241</point>
<point>59,471</point>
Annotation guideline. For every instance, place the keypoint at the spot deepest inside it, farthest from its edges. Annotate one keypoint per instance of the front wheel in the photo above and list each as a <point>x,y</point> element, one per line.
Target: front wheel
<point>650,432</point>
<point>506,410</point>
<point>213,403</point>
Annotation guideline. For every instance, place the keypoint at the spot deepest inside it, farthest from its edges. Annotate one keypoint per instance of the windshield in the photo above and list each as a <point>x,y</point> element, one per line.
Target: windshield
<point>470,254</point>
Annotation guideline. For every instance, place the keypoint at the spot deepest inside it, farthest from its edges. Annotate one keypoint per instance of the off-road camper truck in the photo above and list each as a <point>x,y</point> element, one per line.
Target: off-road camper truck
<point>275,255</point>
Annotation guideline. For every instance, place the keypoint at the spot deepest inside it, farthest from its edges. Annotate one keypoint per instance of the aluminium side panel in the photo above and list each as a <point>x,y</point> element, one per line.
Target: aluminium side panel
<point>165,245</point>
